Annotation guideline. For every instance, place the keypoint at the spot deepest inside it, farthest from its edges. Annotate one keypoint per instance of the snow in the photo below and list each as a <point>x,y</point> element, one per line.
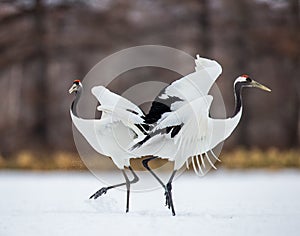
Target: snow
<point>221,203</point>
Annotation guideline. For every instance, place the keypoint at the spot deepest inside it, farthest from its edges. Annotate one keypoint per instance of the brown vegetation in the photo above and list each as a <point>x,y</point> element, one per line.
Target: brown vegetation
<point>239,158</point>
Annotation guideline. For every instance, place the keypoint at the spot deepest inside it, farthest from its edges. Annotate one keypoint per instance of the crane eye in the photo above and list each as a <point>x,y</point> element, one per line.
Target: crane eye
<point>248,80</point>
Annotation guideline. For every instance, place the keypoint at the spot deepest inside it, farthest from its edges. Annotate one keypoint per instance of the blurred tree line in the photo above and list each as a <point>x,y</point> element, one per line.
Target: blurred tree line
<point>46,44</point>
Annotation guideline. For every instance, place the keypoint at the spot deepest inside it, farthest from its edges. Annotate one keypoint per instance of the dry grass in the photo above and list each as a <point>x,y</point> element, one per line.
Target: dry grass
<point>32,160</point>
<point>236,159</point>
<point>255,158</point>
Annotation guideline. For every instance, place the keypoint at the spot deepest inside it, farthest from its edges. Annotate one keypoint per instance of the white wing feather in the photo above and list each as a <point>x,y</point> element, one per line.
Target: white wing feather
<point>118,108</point>
<point>91,129</point>
<point>112,134</point>
<point>127,118</point>
<point>182,115</point>
<point>221,129</point>
<point>110,99</point>
<point>194,85</point>
<point>199,133</point>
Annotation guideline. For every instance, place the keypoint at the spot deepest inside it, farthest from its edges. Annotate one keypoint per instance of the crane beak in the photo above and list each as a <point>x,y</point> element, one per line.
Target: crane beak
<point>260,86</point>
<point>73,88</point>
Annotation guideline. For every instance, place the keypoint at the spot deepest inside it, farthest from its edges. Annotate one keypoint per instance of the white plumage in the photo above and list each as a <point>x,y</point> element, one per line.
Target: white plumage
<point>179,126</point>
<point>112,134</point>
<point>183,129</point>
<point>199,133</point>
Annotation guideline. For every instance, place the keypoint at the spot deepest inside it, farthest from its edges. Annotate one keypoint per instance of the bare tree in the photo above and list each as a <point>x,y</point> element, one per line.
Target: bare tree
<point>205,27</point>
<point>294,7</point>
<point>238,45</point>
<point>40,77</point>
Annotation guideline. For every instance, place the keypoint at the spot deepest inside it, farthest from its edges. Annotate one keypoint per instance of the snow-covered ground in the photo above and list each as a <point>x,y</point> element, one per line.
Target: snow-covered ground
<point>222,203</point>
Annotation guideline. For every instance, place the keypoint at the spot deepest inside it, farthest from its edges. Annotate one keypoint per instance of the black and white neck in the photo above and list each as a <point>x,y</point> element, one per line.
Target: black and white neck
<point>78,92</point>
<point>237,97</point>
<point>239,83</point>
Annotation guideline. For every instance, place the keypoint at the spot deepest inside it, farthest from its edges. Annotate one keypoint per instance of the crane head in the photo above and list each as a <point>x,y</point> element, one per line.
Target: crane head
<point>76,86</point>
<point>246,81</point>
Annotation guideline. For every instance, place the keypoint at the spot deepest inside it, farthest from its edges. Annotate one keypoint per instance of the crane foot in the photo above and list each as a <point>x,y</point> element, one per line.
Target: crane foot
<point>169,200</point>
<point>99,193</point>
<point>168,194</point>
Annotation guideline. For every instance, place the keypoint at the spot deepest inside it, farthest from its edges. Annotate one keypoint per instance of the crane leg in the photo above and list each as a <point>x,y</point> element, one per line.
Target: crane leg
<point>128,190</point>
<point>104,189</point>
<point>145,164</point>
<point>169,199</point>
<point>168,188</point>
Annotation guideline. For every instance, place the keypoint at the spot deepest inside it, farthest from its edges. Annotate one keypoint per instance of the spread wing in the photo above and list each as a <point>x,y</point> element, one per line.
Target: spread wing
<point>184,120</point>
<point>118,108</point>
<point>186,89</point>
<point>110,99</point>
<point>92,129</point>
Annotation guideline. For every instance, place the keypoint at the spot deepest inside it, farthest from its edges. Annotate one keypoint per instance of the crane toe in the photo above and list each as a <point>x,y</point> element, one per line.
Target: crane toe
<point>99,193</point>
